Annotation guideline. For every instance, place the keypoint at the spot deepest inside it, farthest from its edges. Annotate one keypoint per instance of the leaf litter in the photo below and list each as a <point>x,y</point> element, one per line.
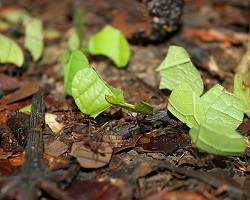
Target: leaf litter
<point>132,173</point>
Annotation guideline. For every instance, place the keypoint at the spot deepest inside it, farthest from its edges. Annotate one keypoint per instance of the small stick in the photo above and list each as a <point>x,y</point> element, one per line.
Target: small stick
<point>34,166</point>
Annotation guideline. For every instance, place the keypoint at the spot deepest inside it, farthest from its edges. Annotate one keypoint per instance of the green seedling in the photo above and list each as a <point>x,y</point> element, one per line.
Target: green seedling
<point>212,117</point>
<point>10,52</point>
<point>110,42</point>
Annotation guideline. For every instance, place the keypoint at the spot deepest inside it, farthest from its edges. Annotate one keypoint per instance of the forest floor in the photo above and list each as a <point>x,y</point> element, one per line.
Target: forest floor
<point>162,162</point>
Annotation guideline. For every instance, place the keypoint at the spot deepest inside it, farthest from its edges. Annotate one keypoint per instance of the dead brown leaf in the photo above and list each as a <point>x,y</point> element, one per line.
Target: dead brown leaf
<point>87,158</point>
<point>25,91</point>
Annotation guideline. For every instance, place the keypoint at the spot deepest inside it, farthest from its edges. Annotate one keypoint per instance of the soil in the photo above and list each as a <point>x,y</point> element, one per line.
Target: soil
<point>160,163</point>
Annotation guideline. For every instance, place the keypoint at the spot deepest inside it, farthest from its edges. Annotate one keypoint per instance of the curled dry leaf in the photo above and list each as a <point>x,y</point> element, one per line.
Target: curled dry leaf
<point>89,158</point>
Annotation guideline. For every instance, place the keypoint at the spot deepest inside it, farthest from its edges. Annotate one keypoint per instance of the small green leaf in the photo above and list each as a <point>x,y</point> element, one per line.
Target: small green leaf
<point>76,62</point>
<point>10,52</point>
<point>222,108</point>
<point>242,92</point>
<point>177,68</point>
<point>64,58</point>
<point>142,107</point>
<point>34,38</point>
<point>217,139</point>
<point>89,90</point>
<point>26,109</point>
<point>186,105</point>
<point>17,16</point>
<point>73,42</point>
<point>111,43</point>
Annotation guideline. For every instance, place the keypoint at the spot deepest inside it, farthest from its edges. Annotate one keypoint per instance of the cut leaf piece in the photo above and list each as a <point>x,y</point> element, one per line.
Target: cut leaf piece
<point>186,105</point>
<point>89,90</point>
<point>142,107</point>
<point>111,43</point>
<point>64,58</point>
<point>73,42</point>
<point>217,139</point>
<point>222,108</point>
<point>10,52</point>
<point>76,62</point>
<point>34,38</point>
<point>17,16</point>
<point>242,92</point>
<point>177,68</point>
<point>26,109</point>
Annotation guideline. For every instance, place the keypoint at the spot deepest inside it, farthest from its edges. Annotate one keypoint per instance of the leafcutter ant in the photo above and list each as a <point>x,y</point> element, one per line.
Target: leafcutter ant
<point>74,122</point>
<point>136,118</point>
<point>94,141</point>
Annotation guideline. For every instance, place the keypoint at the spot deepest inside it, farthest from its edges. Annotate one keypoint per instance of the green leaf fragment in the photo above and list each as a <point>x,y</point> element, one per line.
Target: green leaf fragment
<point>10,52</point>
<point>76,62</point>
<point>73,42</point>
<point>64,58</point>
<point>186,105</point>
<point>142,107</point>
<point>89,90</point>
<point>111,43</point>
<point>34,38</point>
<point>26,109</point>
<point>217,139</point>
<point>177,68</point>
<point>17,16</point>
<point>222,108</point>
<point>242,92</point>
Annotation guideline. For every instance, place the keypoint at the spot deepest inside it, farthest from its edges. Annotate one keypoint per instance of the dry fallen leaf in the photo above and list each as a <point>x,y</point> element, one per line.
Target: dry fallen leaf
<point>50,119</point>
<point>25,91</point>
<point>56,148</point>
<point>87,158</point>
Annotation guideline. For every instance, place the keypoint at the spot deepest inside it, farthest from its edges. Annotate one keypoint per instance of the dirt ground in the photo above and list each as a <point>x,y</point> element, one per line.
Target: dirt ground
<point>86,161</point>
